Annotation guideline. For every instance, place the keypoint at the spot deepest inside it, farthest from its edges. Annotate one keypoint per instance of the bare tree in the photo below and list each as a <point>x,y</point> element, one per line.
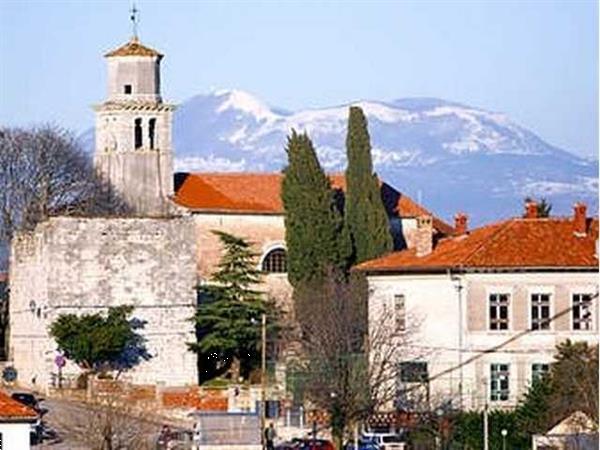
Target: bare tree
<point>44,172</point>
<point>107,423</point>
<point>347,370</point>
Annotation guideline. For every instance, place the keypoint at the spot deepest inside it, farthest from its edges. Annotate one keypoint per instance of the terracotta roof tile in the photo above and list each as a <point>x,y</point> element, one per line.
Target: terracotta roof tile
<point>133,48</point>
<point>12,410</point>
<point>261,193</point>
<point>513,243</point>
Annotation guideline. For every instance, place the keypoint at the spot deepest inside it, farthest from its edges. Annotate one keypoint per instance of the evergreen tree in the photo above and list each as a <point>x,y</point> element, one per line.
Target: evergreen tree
<point>314,230</point>
<point>229,313</point>
<point>98,342</point>
<point>365,214</point>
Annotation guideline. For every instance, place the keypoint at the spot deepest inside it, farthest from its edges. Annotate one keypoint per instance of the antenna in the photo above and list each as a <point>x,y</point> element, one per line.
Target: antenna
<point>134,17</point>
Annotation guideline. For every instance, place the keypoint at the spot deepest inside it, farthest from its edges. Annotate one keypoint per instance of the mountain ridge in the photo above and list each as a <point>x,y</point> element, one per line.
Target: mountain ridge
<point>453,156</point>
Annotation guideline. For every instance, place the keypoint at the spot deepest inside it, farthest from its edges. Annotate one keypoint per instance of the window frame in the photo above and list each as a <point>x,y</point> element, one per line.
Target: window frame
<point>422,376</point>
<point>127,89</point>
<point>395,310</point>
<point>532,372</point>
<point>540,292</point>
<point>489,293</point>
<point>499,391</point>
<point>582,291</point>
<point>266,255</point>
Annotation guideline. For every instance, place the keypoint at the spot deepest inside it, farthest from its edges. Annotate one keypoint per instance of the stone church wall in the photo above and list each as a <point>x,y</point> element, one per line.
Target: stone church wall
<point>84,265</point>
<point>264,231</point>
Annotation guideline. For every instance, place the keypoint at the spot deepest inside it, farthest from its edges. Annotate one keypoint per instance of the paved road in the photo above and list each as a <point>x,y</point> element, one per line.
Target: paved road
<point>68,420</point>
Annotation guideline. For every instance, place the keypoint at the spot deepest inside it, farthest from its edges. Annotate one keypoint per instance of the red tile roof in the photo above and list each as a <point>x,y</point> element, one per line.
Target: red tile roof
<point>260,193</point>
<point>515,243</point>
<point>13,411</point>
<point>133,48</point>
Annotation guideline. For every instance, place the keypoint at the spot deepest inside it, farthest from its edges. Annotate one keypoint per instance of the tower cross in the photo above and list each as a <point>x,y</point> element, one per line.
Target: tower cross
<point>134,17</point>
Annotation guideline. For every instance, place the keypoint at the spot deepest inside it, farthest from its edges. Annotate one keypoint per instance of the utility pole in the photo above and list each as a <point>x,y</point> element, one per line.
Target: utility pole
<point>263,380</point>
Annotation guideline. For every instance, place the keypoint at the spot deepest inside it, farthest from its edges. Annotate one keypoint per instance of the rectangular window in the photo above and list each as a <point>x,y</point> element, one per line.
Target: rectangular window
<point>399,312</point>
<point>499,311</point>
<point>540,311</point>
<point>413,372</point>
<point>499,382</point>
<point>582,311</point>
<point>539,370</point>
<point>127,89</point>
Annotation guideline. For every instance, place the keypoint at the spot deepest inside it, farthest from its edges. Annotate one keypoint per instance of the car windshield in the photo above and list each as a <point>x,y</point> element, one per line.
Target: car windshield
<point>24,398</point>
<point>391,439</point>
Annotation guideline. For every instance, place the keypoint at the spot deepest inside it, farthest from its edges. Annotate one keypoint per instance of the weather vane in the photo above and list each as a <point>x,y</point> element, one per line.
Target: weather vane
<point>134,19</point>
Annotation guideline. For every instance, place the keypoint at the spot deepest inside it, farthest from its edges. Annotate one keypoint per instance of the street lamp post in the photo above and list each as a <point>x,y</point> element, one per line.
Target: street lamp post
<point>503,432</point>
<point>263,379</point>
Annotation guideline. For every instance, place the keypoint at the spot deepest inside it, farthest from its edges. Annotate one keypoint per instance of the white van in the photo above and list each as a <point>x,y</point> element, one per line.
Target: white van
<point>386,441</point>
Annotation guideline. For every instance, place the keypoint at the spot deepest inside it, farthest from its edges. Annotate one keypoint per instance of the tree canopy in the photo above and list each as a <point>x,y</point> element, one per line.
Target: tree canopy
<point>314,228</point>
<point>98,342</point>
<point>365,214</point>
<point>570,386</point>
<point>44,171</point>
<point>228,316</point>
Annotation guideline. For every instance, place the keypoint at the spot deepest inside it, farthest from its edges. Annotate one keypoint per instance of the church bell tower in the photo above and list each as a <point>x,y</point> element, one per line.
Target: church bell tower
<point>133,131</point>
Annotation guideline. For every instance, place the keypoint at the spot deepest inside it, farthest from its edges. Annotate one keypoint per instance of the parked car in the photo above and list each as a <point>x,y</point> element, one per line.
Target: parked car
<point>385,441</point>
<point>316,444</point>
<point>305,444</point>
<point>363,444</point>
<point>27,399</point>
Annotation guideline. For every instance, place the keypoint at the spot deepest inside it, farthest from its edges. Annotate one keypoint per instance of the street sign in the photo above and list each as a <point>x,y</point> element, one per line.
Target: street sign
<point>60,361</point>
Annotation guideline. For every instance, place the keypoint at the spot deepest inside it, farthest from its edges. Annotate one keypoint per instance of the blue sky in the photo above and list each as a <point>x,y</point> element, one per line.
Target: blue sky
<point>537,60</point>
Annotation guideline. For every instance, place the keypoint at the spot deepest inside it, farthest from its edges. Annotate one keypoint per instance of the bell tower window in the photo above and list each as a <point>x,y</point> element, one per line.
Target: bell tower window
<point>127,89</point>
<point>137,133</point>
<point>152,132</point>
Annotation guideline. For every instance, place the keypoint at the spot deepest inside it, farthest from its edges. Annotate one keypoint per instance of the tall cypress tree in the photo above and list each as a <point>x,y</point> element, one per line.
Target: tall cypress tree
<point>314,228</point>
<point>365,214</point>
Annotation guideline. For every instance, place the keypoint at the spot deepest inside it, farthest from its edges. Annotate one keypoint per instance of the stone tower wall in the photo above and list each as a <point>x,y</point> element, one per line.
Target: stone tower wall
<point>76,265</point>
<point>143,177</point>
<point>142,73</point>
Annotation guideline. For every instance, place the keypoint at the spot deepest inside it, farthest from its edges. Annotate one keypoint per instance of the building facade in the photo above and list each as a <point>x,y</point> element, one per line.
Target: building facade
<point>485,309</point>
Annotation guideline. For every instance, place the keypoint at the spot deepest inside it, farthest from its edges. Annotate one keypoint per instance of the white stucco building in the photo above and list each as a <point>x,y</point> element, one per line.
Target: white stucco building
<point>16,422</point>
<point>486,308</point>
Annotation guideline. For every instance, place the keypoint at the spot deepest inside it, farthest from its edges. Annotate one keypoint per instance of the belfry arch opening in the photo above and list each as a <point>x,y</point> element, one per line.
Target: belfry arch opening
<point>152,132</point>
<point>137,133</point>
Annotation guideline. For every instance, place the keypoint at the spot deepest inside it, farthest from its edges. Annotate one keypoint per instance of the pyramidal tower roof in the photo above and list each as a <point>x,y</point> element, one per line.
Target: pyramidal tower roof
<point>134,48</point>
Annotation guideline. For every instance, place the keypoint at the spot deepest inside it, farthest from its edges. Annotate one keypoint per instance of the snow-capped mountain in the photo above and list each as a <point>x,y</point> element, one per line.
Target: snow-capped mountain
<point>450,156</point>
<point>453,157</point>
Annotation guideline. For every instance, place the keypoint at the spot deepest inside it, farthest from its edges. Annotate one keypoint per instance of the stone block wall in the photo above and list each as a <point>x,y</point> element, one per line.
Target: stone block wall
<point>84,265</point>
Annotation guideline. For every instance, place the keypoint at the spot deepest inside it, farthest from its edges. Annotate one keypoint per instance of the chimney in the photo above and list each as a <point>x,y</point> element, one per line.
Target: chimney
<point>579,219</point>
<point>424,235</point>
<point>531,211</point>
<point>460,224</point>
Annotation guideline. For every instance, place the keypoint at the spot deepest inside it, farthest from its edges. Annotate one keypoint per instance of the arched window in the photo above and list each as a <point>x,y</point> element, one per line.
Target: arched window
<point>275,261</point>
<point>152,132</point>
<point>137,133</point>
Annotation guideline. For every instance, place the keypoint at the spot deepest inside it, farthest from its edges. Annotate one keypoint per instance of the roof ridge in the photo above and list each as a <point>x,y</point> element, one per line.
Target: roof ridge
<point>503,227</point>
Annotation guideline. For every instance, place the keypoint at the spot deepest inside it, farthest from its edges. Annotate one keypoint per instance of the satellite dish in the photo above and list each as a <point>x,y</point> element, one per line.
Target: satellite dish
<point>9,374</point>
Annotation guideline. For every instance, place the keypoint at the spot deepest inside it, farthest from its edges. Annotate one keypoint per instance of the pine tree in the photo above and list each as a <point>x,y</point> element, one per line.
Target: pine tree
<point>314,228</point>
<point>365,214</point>
<point>229,313</point>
